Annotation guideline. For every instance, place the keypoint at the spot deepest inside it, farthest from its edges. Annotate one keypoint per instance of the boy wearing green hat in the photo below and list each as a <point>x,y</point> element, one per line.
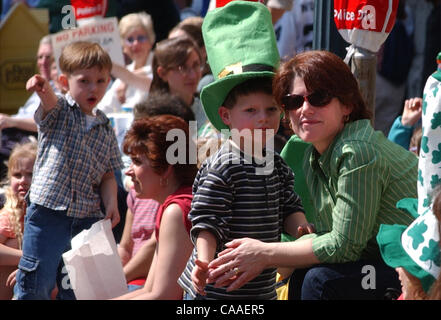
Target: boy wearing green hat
<point>240,191</point>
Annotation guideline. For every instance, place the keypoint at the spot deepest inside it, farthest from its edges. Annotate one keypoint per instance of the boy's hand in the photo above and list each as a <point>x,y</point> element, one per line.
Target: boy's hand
<point>305,229</point>
<point>42,87</point>
<point>199,276</point>
<point>412,111</point>
<point>37,84</point>
<point>113,215</point>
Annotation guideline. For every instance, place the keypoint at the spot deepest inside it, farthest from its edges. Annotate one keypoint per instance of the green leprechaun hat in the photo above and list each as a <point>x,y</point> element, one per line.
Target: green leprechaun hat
<point>416,247</point>
<point>241,44</point>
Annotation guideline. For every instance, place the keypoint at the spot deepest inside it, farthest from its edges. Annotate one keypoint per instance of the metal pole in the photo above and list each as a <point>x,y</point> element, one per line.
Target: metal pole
<point>364,68</point>
<point>326,35</point>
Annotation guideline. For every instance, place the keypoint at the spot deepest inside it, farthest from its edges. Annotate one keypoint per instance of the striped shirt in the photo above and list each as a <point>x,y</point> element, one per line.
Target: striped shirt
<point>355,185</point>
<point>71,160</point>
<point>144,219</point>
<point>232,201</point>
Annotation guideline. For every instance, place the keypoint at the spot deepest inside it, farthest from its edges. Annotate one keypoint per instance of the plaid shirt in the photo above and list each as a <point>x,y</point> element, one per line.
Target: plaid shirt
<point>71,160</point>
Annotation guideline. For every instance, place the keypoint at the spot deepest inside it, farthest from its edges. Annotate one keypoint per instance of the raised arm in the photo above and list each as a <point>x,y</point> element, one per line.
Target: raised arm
<point>136,79</point>
<point>42,87</point>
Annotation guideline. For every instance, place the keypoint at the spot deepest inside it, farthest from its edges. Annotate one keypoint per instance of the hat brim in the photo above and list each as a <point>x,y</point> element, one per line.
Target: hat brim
<point>410,205</point>
<point>389,242</point>
<point>213,95</point>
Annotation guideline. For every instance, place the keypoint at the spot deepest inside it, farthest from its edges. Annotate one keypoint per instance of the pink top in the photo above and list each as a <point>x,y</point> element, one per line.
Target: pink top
<point>144,216</point>
<point>6,228</point>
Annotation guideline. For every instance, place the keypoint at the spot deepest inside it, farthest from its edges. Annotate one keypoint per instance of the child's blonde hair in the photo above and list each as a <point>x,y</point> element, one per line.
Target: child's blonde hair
<point>13,206</point>
<point>83,55</point>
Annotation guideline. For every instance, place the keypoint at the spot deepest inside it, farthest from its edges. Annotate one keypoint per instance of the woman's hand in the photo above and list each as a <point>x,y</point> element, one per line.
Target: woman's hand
<point>242,261</point>
<point>121,92</point>
<point>305,229</point>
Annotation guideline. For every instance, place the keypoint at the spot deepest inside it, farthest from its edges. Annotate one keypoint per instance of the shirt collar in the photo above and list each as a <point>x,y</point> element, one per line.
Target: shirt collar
<point>100,117</point>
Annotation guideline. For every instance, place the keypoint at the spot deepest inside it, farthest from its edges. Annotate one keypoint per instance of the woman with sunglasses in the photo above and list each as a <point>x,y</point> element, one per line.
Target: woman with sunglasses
<point>354,175</point>
<point>133,82</point>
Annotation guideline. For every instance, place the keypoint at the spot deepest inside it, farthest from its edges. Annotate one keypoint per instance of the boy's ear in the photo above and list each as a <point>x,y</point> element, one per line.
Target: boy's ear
<point>224,113</point>
<point>62,79</point>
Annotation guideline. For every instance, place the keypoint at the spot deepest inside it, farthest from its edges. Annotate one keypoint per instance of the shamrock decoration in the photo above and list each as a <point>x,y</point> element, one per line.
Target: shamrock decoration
<point>424,145</point>
<point>426,202</point>
<point>436,120</point>
<point>435,91</point>
<point>435,180</point>
<point>431,253</point>
<point>420,177</point>
<point>436,155</point>
<point>424,104</point>
<point>416,233</point>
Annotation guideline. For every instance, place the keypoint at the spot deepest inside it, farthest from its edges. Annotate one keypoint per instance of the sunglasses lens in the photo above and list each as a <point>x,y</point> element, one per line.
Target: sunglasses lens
<point>292,101</point>
<point>319,98</point>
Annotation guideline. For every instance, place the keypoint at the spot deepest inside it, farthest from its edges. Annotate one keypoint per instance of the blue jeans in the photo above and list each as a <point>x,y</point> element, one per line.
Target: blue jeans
<point>46,236</point>
<point>359,280</point>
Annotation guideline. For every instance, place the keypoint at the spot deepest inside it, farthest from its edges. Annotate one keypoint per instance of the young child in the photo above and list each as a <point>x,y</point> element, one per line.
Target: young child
<point>20,167</point>
<point>77,155</point>
<point>232,197</point>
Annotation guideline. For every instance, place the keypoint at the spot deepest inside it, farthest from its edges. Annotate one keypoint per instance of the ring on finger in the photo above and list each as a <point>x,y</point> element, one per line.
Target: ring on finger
<point>236,270</point>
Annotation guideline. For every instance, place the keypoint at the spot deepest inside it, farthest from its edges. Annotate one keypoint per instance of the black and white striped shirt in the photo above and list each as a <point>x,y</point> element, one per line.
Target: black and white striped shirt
<point>233,199</point>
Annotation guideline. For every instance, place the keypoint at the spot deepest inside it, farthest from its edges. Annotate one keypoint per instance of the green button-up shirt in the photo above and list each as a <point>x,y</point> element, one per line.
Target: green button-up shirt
<point>355,185</point>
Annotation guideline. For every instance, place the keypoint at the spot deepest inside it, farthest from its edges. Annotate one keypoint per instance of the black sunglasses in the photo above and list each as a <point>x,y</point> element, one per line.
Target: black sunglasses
<point>316,99</point>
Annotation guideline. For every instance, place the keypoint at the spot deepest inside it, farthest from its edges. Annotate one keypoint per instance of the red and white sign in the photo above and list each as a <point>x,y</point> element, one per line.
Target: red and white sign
<point>104,31</point>
<point>89,8</point>
<point>365,23</point>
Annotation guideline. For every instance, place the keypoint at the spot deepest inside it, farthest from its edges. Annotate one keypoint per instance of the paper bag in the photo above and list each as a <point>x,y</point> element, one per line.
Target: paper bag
<point>93,264</point>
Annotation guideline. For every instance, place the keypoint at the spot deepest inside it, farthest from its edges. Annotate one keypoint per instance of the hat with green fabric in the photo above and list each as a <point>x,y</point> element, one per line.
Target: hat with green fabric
<point>240,43</point>
<point>416,247</point>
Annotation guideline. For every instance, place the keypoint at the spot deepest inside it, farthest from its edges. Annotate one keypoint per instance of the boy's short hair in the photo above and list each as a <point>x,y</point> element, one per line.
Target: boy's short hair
<point>84,55</point>
<point>254,85</point>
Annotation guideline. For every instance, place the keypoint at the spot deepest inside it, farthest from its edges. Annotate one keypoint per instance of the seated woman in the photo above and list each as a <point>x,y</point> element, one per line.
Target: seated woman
<point>171,185</point>
<point>355,176</point>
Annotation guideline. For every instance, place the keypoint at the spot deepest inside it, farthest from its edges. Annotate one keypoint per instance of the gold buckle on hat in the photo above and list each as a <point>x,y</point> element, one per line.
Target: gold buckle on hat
<point>235,68</point>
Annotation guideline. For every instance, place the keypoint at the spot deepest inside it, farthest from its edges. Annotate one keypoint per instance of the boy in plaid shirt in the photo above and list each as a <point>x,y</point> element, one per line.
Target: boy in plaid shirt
<point>77,155</point>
